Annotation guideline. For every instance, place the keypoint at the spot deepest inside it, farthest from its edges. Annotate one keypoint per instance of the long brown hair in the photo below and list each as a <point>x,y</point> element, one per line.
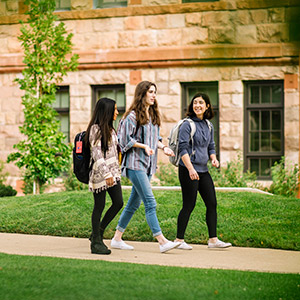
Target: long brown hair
<point>139,105</point>
<point>103,116</point>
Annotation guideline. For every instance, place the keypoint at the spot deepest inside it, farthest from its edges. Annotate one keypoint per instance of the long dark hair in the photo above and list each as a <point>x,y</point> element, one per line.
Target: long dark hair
<point>209,113</point>
<point>139,105</point>
<point>103,116</point>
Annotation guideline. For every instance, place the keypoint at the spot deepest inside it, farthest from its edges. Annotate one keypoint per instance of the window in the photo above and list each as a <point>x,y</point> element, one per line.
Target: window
<point>109,3</point>
<point>115,92</point>
<point>209,88</point>
<point>264,139</point>
<point>63,5</point>
<point>62,106</point>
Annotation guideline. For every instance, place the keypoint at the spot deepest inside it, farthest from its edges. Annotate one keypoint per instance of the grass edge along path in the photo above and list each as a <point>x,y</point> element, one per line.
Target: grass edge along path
<point>244,219</point>
<point>43,278</point>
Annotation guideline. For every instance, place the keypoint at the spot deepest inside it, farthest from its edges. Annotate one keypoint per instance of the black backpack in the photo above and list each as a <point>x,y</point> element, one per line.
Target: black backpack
<point>81,158</point>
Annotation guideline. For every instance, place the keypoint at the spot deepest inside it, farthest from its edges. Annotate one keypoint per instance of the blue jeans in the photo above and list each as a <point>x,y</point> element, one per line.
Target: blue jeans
<point>141,190</point>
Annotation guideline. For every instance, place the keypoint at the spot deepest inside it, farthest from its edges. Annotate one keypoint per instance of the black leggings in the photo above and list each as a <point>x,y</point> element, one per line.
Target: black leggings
<point>115,194</point>
<point>189,189</point>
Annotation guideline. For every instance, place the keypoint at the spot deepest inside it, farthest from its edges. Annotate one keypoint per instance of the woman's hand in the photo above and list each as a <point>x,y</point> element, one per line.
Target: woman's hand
<point>148,150</point>
<point>193,174</point>
<point>168,151</point>
<point>109,181</point>
<point>215,163</point>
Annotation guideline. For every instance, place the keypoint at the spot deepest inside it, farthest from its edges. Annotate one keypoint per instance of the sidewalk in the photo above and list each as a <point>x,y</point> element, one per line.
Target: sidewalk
<point>234,258</point>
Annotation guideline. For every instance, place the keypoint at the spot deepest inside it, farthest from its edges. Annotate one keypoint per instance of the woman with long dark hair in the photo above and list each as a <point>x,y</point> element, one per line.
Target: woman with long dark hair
<point>193,172</point>
<point>105,174</point>
<point>139,140</point>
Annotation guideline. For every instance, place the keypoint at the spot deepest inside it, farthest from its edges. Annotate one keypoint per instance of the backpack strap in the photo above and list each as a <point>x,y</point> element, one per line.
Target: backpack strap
<point>209,125</point>
<point>193,130</point>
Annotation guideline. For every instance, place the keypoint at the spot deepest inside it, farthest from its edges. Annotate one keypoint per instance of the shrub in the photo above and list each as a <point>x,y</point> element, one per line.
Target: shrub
<point>168,175</point>
<point>285,178</point>
<point>233,175</point>
<point>3,175</point>
<point>71,183</point>
<point>7,190</point>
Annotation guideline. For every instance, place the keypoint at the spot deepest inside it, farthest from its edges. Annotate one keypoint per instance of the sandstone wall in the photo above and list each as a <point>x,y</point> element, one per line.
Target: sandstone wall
<point>168,43</point>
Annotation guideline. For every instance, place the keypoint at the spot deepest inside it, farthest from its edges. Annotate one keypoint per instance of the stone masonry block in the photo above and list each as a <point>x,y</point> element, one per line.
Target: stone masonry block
<point>12,6</point>
<point>231,87</point>
<point>80,90</point>
<point>171,37</point>
<point>193,19</point>
<point>81,4</point>
<point>134,23</point>
<point>225,100</point>
<point>135,77</point>
<point>174,88</point>
<point>242,17</point>
<point>84,26</point>
<point>156,21</point>
<point>219,18</point>
<point>230,143</point>
<point>277,15</point>
<point>175,21</point>
<point>259,16</point>
<point>237,100</point>
<point>79,117</point>
<point>107,40</point>
<point>291,99</point>
<point>144,39</point>
<point>231,114</point>
<point>246,34</point>
<point>272,33</point>
<point>108,24</point>
<point>194,36</point>
<point>221,34</point>
<point>291,81</point>
<point>162,75</point>
<point>126,39</point>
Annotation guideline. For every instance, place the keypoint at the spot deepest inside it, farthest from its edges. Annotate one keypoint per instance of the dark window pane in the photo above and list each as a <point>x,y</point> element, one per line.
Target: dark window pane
<point>254,120</point>
<point>254,94</point>
<point>276,120</point>
<point>265,142</point>
<point>276,141</point>
<point>265,167</point>
<point>265,94</point>
<point>265,120</point>
<point>254,141</point>
<point>276,93</point>
<point>109,3</point>
<point>254,166</point>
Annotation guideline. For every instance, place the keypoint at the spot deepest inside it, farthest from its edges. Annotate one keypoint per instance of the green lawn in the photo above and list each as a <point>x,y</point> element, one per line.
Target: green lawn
<point>244,219</point>
<point>43,278</point>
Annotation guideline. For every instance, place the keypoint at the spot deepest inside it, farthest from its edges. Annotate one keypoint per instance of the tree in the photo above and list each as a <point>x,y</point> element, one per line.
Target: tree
<point>46,46</point>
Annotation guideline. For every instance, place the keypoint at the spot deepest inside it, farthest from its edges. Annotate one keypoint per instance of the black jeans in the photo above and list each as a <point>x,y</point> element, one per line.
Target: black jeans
<point>189,189</point>
<point>115,194</point>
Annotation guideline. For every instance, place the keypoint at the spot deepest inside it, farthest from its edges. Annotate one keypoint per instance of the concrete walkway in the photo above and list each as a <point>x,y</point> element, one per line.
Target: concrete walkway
<point>234,258</point>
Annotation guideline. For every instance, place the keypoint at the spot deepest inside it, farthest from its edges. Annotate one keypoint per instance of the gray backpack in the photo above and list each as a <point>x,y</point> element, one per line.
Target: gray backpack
<point>173,139</point>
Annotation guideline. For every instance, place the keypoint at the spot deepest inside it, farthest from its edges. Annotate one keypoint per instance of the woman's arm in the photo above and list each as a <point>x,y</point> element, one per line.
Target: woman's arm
<point>166,149</point>
<point>187,162</point>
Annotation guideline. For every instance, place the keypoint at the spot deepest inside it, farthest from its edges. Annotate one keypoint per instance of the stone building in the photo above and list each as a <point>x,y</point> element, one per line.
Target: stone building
<point>244,54</point>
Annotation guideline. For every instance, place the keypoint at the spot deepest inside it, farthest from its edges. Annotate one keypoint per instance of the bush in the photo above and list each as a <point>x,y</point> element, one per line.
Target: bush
<point>285,178</point>
<point>168,175</point>
<point>3,175</point>
<point>233,175</point>
<point>71,183</point>
<point>7,190</point>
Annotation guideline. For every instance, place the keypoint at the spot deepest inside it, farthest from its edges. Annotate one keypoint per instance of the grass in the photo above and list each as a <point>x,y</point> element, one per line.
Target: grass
<point>245,219</point>
<point>42,278</point>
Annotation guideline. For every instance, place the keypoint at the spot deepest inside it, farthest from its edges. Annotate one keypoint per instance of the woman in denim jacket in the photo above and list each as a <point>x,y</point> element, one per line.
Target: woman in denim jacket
<point>139,139</point>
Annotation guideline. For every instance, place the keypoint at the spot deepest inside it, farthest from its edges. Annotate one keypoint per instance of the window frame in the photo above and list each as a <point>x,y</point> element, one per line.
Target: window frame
<point>64,110</point>
<point>62,9</point>
<point>248,107</point>
<point>103,87</point>
<point>113,4</point>
<point>184,100</point>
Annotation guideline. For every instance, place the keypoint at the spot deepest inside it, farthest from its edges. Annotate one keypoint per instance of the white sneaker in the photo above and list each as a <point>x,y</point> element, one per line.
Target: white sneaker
<point>184,246</point>
<point>219,244</point>
<point>168,246</point>
<point>120,245</point>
